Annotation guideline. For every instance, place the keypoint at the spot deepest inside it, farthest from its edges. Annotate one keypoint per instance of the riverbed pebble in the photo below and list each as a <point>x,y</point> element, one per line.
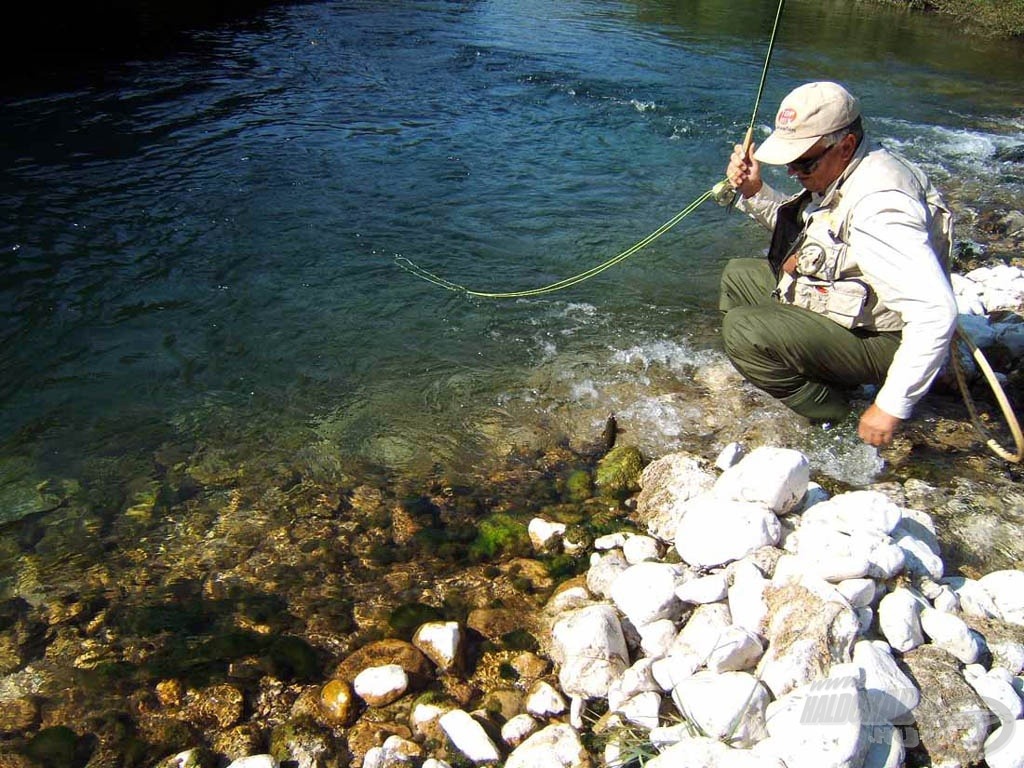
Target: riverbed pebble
<point>469,736</point>
<point>441,642</point>
<point>379,686</point>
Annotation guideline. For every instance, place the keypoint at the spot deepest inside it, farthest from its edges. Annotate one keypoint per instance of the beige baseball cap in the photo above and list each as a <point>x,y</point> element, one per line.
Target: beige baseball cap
<point>805,115</point>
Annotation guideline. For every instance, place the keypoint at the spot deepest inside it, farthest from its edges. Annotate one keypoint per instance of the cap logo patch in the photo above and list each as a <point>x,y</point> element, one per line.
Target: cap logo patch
<point>786,116</point>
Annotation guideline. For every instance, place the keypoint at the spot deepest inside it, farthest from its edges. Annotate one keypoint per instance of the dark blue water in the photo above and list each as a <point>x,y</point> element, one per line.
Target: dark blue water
<point>198,251</point>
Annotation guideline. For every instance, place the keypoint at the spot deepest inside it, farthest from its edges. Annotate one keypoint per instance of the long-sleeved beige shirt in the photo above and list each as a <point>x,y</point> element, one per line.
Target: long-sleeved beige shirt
<point>889,233</point>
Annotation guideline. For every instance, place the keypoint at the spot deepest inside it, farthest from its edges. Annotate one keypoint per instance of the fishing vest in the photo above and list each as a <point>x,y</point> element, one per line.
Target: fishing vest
<point>827,279</point>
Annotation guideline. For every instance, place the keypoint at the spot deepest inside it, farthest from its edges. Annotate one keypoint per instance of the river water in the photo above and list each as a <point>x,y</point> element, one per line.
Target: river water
<point>199,251</point>
<point>205,332</point>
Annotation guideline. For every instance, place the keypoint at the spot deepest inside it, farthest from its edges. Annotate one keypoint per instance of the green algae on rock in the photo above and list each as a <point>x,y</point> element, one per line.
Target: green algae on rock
<point>618,472</point>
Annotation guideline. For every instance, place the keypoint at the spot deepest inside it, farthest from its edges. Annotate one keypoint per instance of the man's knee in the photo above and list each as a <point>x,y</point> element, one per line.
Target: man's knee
<point>745,282</point>
<point>745,329</point>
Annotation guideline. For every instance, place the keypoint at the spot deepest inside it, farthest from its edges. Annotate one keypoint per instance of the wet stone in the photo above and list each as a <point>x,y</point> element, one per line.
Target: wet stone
<point>219,706</point>
<point>336,701</point>
<point>18,715</point>
<point>238,742</point>
<point>406,655</point>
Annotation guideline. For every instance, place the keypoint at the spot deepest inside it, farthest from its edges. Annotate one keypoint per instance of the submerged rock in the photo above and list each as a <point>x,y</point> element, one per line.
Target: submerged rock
<point>618,472</point>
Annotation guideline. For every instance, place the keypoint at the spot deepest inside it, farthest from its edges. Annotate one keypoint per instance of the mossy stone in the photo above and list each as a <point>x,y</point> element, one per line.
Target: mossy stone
<point>54,747</point>
<point>618,473</point>
<point>406,618</point>
<point>294,659</point>
<point>579,486</point>
<point>499,534</point>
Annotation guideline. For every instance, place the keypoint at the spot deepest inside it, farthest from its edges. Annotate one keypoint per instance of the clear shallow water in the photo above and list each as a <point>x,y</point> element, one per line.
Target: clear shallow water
<point>199,250</point>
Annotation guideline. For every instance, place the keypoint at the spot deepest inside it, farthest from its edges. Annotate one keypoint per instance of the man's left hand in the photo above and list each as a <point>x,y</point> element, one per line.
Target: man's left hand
<point>877,427</point>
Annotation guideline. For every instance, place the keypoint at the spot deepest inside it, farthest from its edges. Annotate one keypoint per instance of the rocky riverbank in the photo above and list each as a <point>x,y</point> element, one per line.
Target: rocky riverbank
<point>290,608</point>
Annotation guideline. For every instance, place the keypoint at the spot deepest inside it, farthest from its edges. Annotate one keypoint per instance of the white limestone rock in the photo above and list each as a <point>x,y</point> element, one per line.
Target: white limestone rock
<point>589,645</point>
<point>380,686</point>
<point>736,649</point>
<point>441,642</point>
<point>886,748</point>
<point>1006,588</point>
<point>518,729</point>
<point>1004,748</point>
<point>713,532</point>
<point>1007,654</point>
<point>556,746</point>
<point>890,695</point>
<point>610,541</point>
<point>829,553</point>
<point>698,638</point>
<point>665,484</point>
<point>775,477</point>
<point>950,633</point>
<point>808,631</point>
<point>603,572</point>
<point>424,717</point>
<point>854,512</point>
<point>642,709</point>
<point>997,692</point>
<point>819,725</point>
<point>704,589</point>
<point>646,592</point>
<point>974,600</point>
<point>860,593</point>
<point>899,618</point>
<point>887,560</point>
<point>919,557</point>
<point>747,605</point>
<point>730,456</point>
<point>544,534</point>
<point>469,737</point>
<point>254,761</point>
<point>544,700</point>
<point>702,752</point>
<point>729,706</point>
<point>657,637</point>
<point>638,549</point>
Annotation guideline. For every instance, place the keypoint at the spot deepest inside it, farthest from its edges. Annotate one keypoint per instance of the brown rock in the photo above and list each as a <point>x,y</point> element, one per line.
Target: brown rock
<point>952,721</point>
<point>337,701</point>
<point>410,658</point>
<point>240,741</point>
<point>530,667</point>
<point>494,623</point>
<point>462,691</point>
<point>170,692</point>
<point>14,760</point>
<point>504,703</point>
<point>18,715</point>
<point>219,706</point>
<point>367,734</point>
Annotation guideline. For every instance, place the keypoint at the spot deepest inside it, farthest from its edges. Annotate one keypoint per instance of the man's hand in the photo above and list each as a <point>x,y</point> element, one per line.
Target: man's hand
<point>877,427</point>
<point>744,172</point>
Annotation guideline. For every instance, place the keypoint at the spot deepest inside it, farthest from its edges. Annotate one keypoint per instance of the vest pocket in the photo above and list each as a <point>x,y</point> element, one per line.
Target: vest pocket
<point>841,301</point>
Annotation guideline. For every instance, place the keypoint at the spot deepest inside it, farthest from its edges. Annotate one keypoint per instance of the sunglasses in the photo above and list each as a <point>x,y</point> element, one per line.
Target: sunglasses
<point>807,165</point>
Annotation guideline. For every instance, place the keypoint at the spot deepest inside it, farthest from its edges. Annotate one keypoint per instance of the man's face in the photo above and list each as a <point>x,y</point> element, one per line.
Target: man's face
<point>819,166</point>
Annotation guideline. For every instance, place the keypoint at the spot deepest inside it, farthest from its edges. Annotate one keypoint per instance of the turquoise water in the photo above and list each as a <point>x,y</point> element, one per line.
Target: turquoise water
<point>197,251</point>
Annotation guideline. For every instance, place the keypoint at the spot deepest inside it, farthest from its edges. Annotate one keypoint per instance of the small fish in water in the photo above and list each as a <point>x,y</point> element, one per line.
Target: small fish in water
<point>611,429</point>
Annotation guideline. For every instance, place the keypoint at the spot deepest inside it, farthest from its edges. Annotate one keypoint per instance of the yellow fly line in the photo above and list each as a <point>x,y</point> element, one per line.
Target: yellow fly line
<point>723,193</point>
<point>430,277</point>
